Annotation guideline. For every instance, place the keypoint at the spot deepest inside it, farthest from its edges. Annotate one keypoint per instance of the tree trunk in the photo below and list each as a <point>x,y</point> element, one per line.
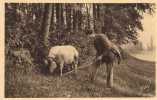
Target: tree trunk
<point>68,16</point>
<point>88,17</point>
<point>91,16</point>
<point>98,19</point>
<point>44,35</point>
<point>58,16</point>
<point>74,20</point>
<point>98,11</point>
<point>94,16</point>
<point>52,18</point>
<point>80,20</point>
<point>62,16</point>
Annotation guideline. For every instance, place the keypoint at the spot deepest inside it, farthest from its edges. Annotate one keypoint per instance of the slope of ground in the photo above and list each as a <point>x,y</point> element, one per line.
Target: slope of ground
<point>145,55</point>
<point>132,78</point>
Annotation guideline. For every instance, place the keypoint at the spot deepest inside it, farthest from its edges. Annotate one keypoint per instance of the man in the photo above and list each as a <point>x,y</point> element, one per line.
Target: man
<point>106,52</point>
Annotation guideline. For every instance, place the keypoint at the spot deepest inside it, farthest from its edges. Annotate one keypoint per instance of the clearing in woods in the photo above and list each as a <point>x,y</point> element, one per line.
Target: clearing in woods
<point>133,77</point>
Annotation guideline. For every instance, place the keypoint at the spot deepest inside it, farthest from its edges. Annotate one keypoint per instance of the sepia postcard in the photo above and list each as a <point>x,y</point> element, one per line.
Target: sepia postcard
<point>78,49</point>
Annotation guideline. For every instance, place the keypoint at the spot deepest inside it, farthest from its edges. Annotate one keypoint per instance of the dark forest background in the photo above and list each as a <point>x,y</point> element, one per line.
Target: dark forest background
<point>39,26</point>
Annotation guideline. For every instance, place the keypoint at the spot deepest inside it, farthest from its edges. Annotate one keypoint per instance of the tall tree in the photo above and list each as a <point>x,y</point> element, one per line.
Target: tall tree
<point>52,18</point>
<point>62,16</point>
<point>121,22</point>
<point>58,16</point>
<point>68,16</point>
<point>88,16</point>
<point>74,18</point>
<point>94,16</point>
<point>44,35</point>
<point>80,19</point>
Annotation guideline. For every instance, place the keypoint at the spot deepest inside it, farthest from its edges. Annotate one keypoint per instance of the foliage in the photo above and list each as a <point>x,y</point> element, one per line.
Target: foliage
<point>69,25</point>
<point>122,21</point>
<point>119,21</point>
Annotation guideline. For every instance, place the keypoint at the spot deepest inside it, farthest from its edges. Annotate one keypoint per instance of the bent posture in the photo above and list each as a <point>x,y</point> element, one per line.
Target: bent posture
<point>108,53</point>
<point>62,55</point>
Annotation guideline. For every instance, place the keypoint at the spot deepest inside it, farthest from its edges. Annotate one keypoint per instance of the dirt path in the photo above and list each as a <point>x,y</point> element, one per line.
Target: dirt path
<point>145,55</point>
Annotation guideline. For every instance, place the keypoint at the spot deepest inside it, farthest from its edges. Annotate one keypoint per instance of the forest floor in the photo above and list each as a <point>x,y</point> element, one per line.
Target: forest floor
<point>132,78</point>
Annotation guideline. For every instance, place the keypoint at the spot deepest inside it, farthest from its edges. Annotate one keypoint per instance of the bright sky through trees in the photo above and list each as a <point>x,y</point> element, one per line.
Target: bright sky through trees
<point>149,26</point>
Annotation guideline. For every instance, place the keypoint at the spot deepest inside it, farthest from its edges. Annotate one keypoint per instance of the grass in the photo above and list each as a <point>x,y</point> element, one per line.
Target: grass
<point>132,78</point>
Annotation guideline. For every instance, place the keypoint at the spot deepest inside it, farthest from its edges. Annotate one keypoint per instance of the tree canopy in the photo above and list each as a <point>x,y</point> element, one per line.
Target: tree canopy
<point>120,22</point>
